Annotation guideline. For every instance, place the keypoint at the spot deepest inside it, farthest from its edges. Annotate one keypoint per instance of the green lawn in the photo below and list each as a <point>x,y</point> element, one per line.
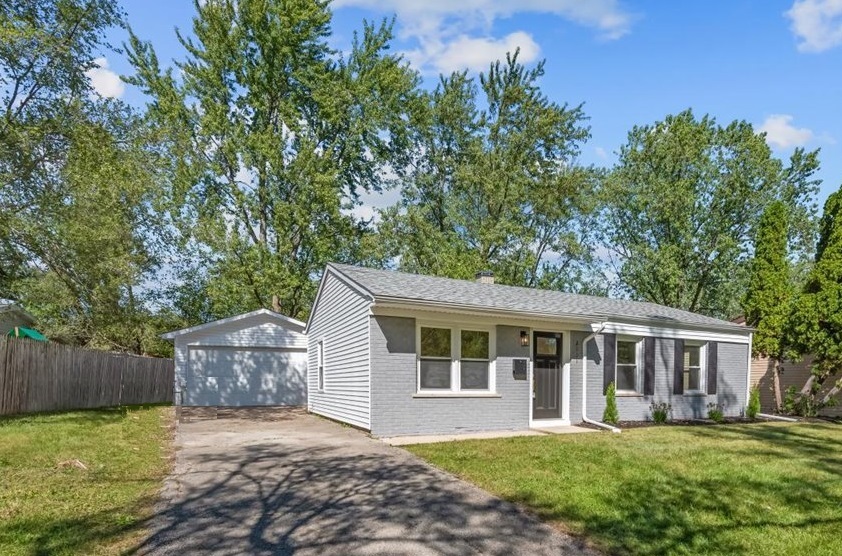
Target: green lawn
<point>736,489</point>
<point>46,508</point>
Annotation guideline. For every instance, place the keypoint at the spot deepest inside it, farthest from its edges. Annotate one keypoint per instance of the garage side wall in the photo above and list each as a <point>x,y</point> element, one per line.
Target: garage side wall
<point>340,322</point>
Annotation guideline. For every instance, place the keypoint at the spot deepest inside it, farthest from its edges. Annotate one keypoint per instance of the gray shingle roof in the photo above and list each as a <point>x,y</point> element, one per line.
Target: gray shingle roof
<point>388,285</point>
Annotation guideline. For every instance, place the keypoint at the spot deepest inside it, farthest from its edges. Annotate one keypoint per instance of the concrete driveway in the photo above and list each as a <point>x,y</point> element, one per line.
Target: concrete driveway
<point>290,483</point>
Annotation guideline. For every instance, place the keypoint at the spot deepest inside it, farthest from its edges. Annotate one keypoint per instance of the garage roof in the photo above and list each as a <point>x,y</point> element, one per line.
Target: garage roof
<point>282,319</point>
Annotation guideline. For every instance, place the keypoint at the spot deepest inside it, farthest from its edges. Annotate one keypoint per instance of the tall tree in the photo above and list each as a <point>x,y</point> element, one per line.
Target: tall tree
<point>272,135</point>
<point>768,300</point>
<point>94,251</point>
<point>816,323</point>
<point>683,203</point>
<point>495,183</point>
<point>45,48</point>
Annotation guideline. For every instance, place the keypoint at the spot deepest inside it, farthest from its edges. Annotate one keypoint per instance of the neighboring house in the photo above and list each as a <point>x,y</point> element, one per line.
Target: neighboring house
<point>794,374</point>
<point>12,315</point>
<point>258,358</point>
<point>400,354</point>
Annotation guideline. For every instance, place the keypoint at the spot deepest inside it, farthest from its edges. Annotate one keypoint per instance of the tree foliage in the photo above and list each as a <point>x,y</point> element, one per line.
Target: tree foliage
<point>768,299</point>
<point>816,323</point>
<point>683,203</point>
<point>272,135</point>
<point>45,48</point>
<point>495,184</point>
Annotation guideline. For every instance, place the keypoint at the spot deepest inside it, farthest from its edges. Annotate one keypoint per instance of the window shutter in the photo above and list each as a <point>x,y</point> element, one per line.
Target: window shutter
<point>678,371</point>
<point>609,343</point>
<point>648,366</point>
<point>713,363</point>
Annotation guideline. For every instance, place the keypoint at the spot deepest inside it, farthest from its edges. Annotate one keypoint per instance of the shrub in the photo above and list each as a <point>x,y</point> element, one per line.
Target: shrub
<point>610,415</point>
<point>660,412</point>
<point>754,403</point>
<point>715,413</point>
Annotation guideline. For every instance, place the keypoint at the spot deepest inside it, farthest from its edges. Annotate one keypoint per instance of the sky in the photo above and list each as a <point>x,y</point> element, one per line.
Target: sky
<point>774,63</point>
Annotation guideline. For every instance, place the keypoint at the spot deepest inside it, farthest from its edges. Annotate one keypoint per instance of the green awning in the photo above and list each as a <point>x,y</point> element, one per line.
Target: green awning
<point>23,332</point>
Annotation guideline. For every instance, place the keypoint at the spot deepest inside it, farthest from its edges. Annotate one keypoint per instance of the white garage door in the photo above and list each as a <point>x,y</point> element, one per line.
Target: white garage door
<point>228,376</point>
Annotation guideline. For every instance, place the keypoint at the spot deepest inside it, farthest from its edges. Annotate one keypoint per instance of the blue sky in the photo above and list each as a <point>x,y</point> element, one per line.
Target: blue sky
<point>774,63</point>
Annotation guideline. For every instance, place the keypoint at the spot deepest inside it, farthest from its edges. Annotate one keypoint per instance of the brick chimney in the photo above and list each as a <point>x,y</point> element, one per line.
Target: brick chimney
<point>485,277</point>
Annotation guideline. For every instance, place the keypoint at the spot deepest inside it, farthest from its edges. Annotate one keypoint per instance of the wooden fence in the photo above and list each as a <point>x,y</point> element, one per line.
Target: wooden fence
<point>43,376</point>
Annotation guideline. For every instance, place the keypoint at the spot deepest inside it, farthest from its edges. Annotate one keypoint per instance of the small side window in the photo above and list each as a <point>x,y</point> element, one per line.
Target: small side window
<point>320,355</point>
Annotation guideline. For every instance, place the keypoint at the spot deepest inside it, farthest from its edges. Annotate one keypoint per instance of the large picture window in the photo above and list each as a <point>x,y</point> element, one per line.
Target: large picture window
<point>627,379</point>
<point>455,360</point>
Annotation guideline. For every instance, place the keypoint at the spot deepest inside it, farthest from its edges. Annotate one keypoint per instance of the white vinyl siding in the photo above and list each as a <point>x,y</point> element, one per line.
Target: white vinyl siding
<point>260,332</point>
<point>340,319</point>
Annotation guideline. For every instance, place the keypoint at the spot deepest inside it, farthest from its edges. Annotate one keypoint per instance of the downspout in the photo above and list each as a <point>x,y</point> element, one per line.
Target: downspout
<point>585,417</point>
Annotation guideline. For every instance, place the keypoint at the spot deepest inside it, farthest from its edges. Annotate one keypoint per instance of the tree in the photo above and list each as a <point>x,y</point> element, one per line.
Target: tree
<point>610,414</point>
<point>93,250</point>
<point>768,300</point>
<point>682,206</point>
<point>495,187</point>
<point>271,136</point>
<point>45,48</point>
<point>816,323</point>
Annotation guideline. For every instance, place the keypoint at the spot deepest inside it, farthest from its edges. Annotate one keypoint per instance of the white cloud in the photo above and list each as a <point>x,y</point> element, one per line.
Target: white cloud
<point>105,82</point>
<point>780,132</point>
<point>457,34</point>
<point>817,24</point>
<point>601,153</point>
<point>474,53</point>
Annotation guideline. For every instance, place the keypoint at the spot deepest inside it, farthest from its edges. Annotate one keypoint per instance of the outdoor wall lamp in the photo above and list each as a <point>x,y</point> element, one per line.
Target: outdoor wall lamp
<point>524,338</point>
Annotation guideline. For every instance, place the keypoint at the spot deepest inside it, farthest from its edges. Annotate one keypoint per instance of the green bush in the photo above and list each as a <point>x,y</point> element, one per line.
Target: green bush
<point>753,403</point>
<point>715,412</point>
<point>610,415</point>
<point>660,412</point>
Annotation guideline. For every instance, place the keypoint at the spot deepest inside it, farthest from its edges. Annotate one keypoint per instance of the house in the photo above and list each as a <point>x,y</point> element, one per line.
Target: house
<point>13,316</point>
<point>793,374</point>
<point>403,354</point>
<point>257,358</point>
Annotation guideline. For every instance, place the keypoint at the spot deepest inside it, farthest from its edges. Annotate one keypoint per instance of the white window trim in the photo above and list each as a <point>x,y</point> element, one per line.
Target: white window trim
<point>455,389</point>
<point>638,365</point>
<point>703,359</point>
<point>320,365</point>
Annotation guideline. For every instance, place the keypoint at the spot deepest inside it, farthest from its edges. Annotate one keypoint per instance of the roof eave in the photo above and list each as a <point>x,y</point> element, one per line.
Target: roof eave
<point>383,300</point>
<point>199,327</point>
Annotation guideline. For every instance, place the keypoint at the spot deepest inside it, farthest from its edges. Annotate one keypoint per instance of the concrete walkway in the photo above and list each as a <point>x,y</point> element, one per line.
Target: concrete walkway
<point>297,484</point>
<point>433,438</point>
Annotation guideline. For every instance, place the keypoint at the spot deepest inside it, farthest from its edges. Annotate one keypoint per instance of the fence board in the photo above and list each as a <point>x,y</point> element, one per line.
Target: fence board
<point>43,376</point>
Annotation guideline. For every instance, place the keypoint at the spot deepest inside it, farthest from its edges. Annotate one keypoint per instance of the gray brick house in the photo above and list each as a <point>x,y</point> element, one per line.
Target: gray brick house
<point>402,354</point>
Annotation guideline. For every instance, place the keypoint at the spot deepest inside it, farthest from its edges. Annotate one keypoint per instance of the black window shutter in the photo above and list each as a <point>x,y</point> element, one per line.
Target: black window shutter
<point>649,366</point>
<point>678,371</point>
<point>609,343</point>
<point>712,366</point>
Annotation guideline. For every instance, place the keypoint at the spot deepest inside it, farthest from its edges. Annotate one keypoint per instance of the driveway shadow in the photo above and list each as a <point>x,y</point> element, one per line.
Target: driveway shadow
<point>312,487</point>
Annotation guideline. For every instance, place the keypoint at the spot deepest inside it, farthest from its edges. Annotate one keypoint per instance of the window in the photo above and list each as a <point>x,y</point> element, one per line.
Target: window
<point>320,357</point>
<point>693,365</point>
<point>455,360</point>
<point>628,365</point>
<point>435,354</point>
<point>474,361</point>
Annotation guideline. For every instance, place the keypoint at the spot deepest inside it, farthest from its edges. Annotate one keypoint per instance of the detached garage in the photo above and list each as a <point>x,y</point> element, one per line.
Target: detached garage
<point>258,358</point>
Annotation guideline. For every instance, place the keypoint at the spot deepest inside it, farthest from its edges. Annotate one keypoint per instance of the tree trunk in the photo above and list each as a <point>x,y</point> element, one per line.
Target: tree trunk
<point>276,303</point>
<point>776,384</point>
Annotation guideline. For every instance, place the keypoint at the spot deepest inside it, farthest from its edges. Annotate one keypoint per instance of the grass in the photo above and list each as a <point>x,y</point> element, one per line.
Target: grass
<point>770,489</point>
<point>49,508</point>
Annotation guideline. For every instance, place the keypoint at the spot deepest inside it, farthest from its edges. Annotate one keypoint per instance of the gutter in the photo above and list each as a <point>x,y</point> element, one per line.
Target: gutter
<point>585,417</point>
